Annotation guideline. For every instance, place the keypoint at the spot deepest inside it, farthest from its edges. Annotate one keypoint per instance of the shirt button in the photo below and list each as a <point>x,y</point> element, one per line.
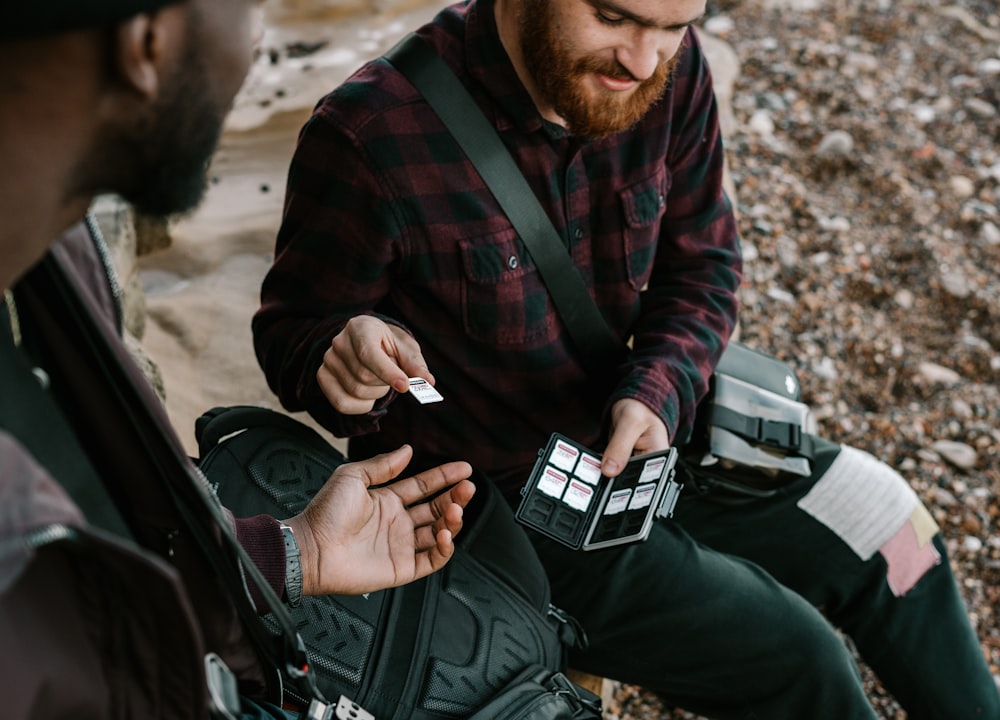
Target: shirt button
<point>578,234</point>
<point>512,262</point>
<point>660,200</point>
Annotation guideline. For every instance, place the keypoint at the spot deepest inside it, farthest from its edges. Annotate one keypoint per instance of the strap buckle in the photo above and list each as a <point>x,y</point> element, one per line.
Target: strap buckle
<point>775,433</point>
<point>223,695</point>
<point>345,709</point>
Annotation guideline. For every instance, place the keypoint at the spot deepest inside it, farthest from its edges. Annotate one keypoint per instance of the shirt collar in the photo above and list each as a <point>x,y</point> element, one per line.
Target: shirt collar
<point>492,68</point>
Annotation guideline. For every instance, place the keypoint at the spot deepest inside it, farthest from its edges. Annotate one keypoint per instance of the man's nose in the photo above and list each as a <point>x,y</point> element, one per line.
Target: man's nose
<point>647,49</point>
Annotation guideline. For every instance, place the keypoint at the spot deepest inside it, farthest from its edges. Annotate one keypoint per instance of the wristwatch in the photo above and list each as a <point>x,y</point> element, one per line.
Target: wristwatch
<point>293,567</point>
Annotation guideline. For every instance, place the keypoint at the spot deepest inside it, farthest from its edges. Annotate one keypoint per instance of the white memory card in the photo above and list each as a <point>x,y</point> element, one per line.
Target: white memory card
<point>423,391</point>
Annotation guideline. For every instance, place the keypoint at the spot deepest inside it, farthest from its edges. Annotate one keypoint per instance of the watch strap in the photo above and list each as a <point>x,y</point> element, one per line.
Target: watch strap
<point>293,567</point>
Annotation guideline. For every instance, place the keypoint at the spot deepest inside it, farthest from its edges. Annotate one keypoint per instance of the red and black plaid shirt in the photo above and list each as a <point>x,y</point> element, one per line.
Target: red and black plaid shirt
<point>385,215</point>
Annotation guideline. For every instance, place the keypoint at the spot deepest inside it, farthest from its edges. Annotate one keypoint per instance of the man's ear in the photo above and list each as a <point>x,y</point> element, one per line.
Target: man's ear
<point>144,46</point>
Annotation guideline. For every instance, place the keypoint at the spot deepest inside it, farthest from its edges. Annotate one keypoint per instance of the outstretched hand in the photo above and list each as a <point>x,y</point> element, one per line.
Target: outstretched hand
<point>360,534</point>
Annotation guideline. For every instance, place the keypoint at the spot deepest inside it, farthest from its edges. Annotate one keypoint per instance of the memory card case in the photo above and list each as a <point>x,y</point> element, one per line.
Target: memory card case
<point>568,499</point>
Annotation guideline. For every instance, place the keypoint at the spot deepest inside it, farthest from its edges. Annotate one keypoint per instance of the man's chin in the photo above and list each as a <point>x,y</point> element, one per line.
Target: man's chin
<point>609,120</point>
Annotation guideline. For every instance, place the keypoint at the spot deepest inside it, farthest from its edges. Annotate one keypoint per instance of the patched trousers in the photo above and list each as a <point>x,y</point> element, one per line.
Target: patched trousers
<point>728,610</point>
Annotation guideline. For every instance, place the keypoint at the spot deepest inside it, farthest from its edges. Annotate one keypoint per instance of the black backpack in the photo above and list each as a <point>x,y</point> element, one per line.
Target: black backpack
<point>441,647</point>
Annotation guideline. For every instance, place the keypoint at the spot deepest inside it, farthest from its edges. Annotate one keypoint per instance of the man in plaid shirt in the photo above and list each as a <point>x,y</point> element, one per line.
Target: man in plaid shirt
<point>394,260</point>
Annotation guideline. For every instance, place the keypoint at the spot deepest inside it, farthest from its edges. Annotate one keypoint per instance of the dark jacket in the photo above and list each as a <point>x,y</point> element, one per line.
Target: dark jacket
<point>93,625</point>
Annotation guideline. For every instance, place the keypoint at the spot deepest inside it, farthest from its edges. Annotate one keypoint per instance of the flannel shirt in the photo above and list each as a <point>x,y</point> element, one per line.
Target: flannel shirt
<point>384,215</point>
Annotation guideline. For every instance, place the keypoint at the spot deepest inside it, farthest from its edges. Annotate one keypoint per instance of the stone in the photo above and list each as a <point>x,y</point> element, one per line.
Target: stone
<point>958,454</point>
<point>980,108</point>
<point>990,233</point>
<point>961,186</point>
<point>838,143</point>
<point>938,374</point>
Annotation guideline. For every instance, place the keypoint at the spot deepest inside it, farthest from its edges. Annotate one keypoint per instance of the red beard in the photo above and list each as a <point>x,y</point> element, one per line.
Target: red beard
<point>587,111</point>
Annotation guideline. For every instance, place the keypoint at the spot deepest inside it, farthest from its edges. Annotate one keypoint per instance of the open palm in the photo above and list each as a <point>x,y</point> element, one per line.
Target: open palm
<point>366,531</point>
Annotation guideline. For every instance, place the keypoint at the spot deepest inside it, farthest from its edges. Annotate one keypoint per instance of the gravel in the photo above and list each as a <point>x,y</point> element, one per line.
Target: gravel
<point>865,157</point>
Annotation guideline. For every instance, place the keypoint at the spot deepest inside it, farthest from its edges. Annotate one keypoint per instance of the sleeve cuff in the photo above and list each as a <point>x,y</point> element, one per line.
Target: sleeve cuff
<point>261,537</point>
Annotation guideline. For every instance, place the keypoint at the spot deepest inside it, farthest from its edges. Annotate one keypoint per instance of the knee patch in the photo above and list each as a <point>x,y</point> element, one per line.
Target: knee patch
<point>872,509</point>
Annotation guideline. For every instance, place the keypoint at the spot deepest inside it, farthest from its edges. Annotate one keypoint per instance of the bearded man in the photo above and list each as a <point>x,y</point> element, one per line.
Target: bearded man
<point>394,260</point>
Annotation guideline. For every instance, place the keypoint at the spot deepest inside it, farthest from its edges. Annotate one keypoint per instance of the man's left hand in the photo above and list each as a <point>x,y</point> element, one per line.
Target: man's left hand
<point>635,429</point>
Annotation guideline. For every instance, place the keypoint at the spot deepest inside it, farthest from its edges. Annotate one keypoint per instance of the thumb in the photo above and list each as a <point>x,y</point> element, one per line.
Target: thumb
<point>619,449</point>
<point>386,467</point>
<point>413,365</point>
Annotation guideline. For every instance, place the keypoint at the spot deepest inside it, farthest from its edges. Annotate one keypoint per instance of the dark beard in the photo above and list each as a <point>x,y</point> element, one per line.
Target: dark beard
<point>171,150</point>
<point>558,78</point>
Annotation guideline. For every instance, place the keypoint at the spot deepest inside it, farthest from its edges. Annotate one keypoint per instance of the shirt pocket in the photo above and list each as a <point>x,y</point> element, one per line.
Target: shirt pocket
<point>643,205</point>
<point>503,299</point>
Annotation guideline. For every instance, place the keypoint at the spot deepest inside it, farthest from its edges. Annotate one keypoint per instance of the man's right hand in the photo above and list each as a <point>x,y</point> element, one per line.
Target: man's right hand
<point>365,360</point>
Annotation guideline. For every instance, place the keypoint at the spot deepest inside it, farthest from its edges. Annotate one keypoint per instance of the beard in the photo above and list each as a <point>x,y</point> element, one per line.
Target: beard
<point>560,77</point>
<point>168,152</point>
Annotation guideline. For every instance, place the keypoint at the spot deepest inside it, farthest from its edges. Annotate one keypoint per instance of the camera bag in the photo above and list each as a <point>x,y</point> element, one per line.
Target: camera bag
<point>752,433</point>
<point>449,645</point>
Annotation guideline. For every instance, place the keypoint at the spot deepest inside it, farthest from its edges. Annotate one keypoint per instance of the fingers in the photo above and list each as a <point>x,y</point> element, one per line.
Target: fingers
<point>435,558</point>
<point>619,450</point>
<point>380,469</point>
<point>408,356</point>
<point>346,393</point>
<point>365,360</point>
<point>423,485</point>
<point>445,512</point>
<point>383,469</point>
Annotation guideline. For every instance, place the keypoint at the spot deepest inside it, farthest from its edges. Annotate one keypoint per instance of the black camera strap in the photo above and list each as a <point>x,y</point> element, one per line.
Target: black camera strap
<point>599,348</point>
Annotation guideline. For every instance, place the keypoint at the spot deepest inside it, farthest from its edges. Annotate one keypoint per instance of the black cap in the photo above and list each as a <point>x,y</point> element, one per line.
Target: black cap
<point>25,18</point>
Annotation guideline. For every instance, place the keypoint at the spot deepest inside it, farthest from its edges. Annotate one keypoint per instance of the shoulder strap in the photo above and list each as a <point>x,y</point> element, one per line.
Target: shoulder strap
<point>29,414</point>
<point>598,347</point>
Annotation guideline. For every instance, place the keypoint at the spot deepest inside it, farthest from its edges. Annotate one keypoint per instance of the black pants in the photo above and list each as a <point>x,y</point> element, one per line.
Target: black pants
<point>717,612</point>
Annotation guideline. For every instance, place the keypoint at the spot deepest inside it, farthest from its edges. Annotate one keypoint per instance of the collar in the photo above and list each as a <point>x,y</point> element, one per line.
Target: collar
<point>491,67</point>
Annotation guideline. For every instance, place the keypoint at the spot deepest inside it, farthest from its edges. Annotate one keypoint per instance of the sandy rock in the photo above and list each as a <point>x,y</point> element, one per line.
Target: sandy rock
<point>961,186</point>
